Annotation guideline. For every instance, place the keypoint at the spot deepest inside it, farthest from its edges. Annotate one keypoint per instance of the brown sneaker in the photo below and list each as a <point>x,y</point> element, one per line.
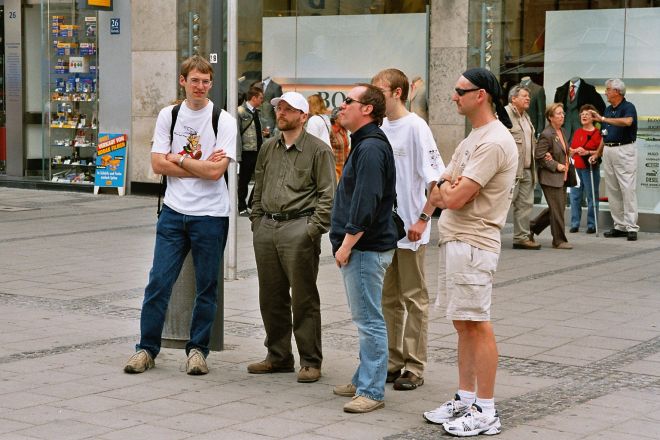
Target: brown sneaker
<point>563,245</point>
<point>361,404</point>
<point>309,374</point>
<point>140,362</point>
<point>265,367</point>
<point>345,390</point>
<point>527,244</point>
<point>196,364</point>
<point>408,382</point>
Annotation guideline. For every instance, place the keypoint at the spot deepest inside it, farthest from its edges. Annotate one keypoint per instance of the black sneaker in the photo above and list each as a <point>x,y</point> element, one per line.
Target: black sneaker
<point>615,233</point>
<point>591,230</point>
<point>573,230</point>
<point>392,376</point>
<point>632,236</point>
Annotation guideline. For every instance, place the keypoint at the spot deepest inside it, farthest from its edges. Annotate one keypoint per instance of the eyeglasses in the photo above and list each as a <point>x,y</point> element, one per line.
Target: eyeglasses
<point>203,82</point>
<point>461,92</point>
<point>349,101</point>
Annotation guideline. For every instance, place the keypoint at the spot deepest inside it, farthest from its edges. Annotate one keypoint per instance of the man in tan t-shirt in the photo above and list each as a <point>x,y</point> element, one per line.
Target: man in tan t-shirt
<point>475,192</point>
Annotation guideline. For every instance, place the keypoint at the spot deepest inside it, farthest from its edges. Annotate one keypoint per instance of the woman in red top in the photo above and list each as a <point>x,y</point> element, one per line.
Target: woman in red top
<point>585,143</point>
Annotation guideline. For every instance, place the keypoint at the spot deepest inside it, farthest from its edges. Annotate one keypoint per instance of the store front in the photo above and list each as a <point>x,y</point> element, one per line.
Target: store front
<point>547,44</point>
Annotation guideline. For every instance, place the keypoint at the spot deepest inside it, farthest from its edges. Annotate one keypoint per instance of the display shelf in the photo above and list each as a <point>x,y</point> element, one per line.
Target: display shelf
<point>71,127</point>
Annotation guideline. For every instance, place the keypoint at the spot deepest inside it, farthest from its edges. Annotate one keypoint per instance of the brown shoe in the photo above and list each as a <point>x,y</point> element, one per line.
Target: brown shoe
<point>563,245</point>
<point>361,404</point>
<point>527,244</point>
<point>309,374</point>
<point>265,367</point>
<point>408,382</point>
<point>345,390</point>
<point>140,362</point>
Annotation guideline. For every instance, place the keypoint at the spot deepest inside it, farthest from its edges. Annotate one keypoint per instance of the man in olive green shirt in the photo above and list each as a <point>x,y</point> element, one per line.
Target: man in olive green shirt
<point>293,195</point>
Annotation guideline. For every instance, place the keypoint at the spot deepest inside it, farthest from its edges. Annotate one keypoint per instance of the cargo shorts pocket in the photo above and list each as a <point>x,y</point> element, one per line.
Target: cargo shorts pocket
<point>472,295</point>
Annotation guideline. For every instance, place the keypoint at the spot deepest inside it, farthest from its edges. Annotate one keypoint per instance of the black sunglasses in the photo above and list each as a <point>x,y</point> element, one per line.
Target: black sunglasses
<point>461,92</point>
<point>349,101</point>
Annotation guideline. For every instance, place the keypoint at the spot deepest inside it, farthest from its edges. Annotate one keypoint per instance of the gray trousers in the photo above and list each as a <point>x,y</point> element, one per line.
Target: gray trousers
<point>288,261</point>
<point>553,215</point>
<point>620,169</point>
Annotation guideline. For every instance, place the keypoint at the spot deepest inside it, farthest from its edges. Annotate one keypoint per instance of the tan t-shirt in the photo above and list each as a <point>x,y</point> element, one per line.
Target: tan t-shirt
<point>488,156</point>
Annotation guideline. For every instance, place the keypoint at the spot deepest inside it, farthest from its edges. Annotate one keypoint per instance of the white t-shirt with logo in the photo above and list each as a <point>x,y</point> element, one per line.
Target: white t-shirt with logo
<point>192,195</point>
<point>488,156</point>
<point>418,163</point>
<point>319,126</point>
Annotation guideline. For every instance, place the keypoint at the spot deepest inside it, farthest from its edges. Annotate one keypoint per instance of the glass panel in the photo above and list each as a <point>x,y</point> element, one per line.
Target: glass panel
<point>549,42</point>
<point>70,87</point>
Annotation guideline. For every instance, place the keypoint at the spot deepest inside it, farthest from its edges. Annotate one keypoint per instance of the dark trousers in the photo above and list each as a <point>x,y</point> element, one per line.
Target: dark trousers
<point>248,163</point>
<point>288,259</point>
<point>553,215</point>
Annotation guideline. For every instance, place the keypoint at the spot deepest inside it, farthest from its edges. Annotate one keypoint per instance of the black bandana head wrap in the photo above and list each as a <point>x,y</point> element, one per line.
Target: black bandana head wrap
<point>484,79</point>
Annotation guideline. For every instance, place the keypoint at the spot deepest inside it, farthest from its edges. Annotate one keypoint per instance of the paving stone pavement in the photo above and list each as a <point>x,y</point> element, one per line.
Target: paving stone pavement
<point>578,333</point>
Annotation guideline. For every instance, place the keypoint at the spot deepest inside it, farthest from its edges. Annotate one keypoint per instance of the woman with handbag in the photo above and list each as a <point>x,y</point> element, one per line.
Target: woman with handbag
<point>586,141</point>
<point>555,173</point>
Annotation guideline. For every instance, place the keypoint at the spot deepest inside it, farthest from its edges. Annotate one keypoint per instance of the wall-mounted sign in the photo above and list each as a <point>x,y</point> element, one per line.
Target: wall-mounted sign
<point>115,27</point>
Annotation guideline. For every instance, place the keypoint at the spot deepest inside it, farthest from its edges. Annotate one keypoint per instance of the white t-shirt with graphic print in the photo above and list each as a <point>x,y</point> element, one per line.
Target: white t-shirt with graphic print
<point>192,195</point>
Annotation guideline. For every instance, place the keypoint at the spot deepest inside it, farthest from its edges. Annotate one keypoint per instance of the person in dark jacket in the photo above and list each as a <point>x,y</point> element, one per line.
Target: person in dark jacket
<point>573,94</point>
<point>363,237</point>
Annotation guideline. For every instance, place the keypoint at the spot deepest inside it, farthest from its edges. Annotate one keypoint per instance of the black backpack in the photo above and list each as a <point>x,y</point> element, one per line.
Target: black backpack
<point>175,113</point>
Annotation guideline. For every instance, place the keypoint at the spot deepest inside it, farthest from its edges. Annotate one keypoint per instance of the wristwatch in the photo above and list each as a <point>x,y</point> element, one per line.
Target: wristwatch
<point>181,160</point>
<point>424,217</point>
<point>440,182</point>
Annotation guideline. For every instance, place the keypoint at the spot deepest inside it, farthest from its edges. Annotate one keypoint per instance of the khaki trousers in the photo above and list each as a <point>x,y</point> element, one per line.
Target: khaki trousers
<point>288,258</point>
<point>620,169</point>
<point>523,202</point>
<point>406,311</point>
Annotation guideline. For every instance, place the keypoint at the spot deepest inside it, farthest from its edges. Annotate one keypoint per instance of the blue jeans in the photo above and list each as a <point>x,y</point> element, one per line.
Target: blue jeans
<point>576,197</point>
<point>363,280</point>
<point>176,235</point>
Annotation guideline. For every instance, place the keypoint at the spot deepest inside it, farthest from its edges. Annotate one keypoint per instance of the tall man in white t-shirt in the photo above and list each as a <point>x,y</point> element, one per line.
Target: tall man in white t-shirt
<point>194,216</point>
<point>475,192</point>
<point>405,297</point>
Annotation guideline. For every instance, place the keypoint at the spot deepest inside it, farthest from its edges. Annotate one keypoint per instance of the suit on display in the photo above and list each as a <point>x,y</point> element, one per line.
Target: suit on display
<point>536,110</point>
<point>574,94</point>
<point>271,90</point>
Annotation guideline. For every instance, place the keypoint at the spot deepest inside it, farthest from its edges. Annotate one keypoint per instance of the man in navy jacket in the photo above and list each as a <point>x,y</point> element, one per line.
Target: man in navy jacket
<point>363,237</point>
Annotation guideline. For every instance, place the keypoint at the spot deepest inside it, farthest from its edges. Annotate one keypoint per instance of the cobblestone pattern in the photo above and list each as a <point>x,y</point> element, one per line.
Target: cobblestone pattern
<point>593,380</point>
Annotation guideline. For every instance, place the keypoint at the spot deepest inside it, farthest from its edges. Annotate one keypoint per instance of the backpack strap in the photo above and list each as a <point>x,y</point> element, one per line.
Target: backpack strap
<point>214,119</point>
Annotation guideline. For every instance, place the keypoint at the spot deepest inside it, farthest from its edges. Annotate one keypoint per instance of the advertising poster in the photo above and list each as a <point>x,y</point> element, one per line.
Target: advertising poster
<point>111,160</point>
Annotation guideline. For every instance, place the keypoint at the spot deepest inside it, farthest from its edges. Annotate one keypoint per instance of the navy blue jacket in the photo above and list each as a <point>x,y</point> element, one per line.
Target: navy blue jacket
<point>366,192</point>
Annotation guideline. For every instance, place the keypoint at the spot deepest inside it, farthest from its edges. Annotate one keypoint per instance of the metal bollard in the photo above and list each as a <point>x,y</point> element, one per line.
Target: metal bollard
<point>176,331</point>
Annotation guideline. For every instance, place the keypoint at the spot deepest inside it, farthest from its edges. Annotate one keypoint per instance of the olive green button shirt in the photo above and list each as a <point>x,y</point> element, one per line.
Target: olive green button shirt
<point>296,179</point>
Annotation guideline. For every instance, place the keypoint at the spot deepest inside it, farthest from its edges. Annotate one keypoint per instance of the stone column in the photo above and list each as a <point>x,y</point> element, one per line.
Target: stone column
<point>154,70</point>
<point>447,60</point>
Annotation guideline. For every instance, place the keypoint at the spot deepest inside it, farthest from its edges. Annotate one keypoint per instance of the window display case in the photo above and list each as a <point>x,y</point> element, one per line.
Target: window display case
<point>70,119</point>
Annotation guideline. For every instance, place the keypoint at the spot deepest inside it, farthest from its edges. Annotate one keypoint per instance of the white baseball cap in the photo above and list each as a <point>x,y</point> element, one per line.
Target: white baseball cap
<point>294,99</point>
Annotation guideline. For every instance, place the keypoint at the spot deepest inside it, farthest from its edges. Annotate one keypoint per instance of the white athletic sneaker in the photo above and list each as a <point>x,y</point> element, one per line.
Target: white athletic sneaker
<point>447,411</point>
<point>472,423</point>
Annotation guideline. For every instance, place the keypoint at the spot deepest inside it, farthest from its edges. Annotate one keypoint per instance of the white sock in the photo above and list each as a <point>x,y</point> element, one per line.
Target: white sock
<point>487,406</point>
<point>467,396</point>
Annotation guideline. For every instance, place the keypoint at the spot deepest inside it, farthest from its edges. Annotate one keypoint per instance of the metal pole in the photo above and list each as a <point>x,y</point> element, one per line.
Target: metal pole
<point>232,104</point>
<point>593,197</point>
